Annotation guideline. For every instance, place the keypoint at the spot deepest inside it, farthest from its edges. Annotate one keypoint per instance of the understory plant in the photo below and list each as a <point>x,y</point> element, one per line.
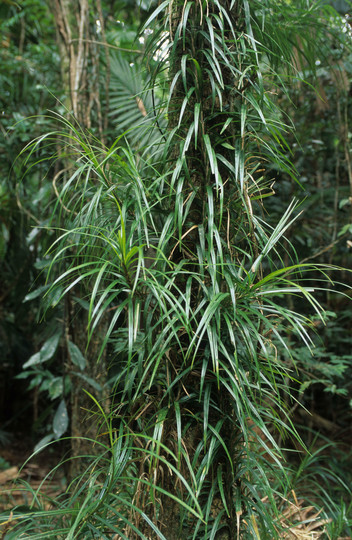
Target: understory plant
<point>169,247</point>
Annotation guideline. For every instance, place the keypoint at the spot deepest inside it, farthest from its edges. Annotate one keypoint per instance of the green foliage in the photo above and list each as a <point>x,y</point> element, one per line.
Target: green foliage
<point>209,313</point>
<point>134,106</point>
<point>3,463</point>
<point>29,67</point>
<point>102,501</point>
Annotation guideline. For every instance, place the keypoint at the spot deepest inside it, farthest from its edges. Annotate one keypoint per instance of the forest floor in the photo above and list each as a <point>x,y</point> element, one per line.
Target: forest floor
<point>23,476</point>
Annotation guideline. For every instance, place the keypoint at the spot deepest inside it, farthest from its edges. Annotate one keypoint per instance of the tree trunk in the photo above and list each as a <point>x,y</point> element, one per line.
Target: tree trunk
<point>202,183</point>
<point>80,75</point>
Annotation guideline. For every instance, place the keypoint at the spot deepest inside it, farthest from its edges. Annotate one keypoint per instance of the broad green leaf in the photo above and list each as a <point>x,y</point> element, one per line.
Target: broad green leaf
<point>49,348</point>
<point>34,294</point>
<point>56,387</point>
<point>227,145</point>
<point>60,422</point>
<point>83,303</point>
<point>43,442</point>
<point>89,380</point>
<point>76,356</point>
<point>228,121</point>
<point>34,359</point>
<point>46,352</point>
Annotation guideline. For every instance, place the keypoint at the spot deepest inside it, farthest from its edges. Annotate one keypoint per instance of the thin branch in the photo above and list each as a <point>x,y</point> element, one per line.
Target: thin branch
<point>179,241</point>
<point>22,208</point>
<point>57,193</point>
<point>323,250</point>
<point>107,45</point>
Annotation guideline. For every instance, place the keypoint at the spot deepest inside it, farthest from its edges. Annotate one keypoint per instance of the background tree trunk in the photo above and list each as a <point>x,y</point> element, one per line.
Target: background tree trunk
<point>76,27</point>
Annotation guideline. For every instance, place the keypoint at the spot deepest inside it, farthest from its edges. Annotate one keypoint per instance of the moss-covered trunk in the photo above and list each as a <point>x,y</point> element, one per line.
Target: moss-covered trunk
<point>205,115</point>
